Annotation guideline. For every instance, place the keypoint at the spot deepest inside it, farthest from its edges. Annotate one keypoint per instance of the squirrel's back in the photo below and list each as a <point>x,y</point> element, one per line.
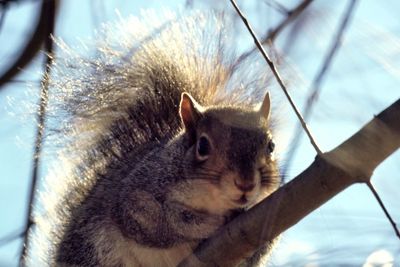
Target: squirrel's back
<point>124,100</point>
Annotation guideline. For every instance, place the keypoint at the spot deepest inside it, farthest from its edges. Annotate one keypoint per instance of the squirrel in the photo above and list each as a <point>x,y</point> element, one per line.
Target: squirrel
<point>163,145</point>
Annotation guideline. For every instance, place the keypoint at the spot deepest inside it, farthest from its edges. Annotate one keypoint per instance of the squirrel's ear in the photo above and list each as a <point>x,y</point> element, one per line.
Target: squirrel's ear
<point>265,108</point>
<point>190,112</point>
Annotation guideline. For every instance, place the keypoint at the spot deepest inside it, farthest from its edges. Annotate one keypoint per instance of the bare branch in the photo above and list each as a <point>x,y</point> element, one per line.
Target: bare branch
<point>292,15</point>
<point>270,37</point>
<point>351,162</point>
<point>51,9</point>
<point>278,6</point>
<point>32,47</point>
<point>376,195</point>
<point>317,83</point>
<point>277,75</point>
<point>3,10</point>
<point>11,237</point>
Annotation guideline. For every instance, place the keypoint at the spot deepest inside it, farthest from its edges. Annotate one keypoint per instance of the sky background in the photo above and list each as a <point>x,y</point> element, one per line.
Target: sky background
<point>362,80</point>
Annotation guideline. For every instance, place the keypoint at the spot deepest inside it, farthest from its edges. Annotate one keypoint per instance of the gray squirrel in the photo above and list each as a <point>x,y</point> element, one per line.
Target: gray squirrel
<point>163,144</point>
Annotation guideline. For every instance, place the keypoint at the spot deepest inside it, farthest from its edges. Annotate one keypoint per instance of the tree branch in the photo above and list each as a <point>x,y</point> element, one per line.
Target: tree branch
<point>11,237</point>
<point>277,76</point>
<point>377,197</point>
<point>292,15</point>
<point>49,25</point>
<point>32,47</point>
<point>316,85</point>
<point>272,34</point>
<point>351,162</point>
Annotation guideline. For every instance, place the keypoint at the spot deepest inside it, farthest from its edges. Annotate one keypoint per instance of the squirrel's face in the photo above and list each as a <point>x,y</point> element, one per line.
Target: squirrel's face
<point>230,158</point>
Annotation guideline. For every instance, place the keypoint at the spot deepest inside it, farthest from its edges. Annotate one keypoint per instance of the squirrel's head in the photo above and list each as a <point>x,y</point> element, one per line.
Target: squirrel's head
<point>230,159</point>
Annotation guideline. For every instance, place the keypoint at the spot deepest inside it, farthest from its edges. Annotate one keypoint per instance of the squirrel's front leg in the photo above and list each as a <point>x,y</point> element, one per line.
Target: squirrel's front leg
<point>190,223</point>
<point>139,216</point>
<point>162,224</point>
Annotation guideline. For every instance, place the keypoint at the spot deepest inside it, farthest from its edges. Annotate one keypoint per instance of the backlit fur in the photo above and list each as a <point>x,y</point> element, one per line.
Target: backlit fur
<point>128,189</point>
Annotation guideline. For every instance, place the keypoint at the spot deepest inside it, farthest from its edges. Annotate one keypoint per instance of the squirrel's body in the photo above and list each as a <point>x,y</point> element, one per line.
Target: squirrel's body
<point>158,155</point>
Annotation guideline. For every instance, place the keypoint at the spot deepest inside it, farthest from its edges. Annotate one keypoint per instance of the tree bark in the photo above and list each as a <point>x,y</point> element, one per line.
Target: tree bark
<point>351,162</point>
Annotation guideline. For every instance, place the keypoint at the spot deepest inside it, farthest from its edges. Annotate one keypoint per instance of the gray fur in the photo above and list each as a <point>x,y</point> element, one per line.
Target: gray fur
<point>127,161</point>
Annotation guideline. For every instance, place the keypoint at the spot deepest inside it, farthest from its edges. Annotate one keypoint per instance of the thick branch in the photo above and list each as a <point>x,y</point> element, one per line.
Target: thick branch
<point>351,162</point>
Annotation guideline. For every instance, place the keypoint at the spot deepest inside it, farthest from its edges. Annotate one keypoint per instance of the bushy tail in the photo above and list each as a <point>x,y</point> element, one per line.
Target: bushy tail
<point>137,74</point>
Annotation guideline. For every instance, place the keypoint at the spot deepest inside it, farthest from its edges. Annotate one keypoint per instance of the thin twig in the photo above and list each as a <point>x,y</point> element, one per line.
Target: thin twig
<point>376,195</point>
<point>11,237</point>
<point>291,15</point>
<point>278,6</point>
<point>317,82</point>
<point>3,10</point>
<point>51,15</point>
<point>278,78</point>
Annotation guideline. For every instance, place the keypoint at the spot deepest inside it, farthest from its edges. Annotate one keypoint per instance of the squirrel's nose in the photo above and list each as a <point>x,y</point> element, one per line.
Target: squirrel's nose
<point>244,186</point>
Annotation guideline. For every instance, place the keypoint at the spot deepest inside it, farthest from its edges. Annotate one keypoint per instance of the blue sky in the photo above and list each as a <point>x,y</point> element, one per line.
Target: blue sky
<point>363,80</point>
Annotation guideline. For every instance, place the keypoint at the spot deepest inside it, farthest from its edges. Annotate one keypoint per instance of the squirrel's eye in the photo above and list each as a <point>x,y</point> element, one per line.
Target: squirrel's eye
<point>270,147</point>
<point>203,148</point>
